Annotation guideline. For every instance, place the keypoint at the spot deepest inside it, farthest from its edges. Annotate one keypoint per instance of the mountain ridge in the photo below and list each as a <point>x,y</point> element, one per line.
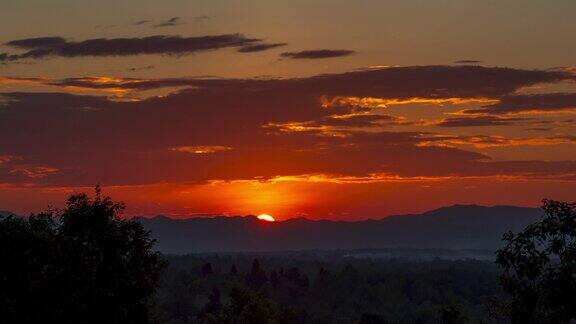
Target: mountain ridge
<point>457,226</point>
<point>449,207</point>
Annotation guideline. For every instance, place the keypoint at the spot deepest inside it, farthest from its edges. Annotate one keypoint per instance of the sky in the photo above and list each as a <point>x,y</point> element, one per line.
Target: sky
<point>321,109</point>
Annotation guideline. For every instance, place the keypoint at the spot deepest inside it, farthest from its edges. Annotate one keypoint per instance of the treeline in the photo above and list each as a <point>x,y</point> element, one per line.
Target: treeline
<point>312,288</point>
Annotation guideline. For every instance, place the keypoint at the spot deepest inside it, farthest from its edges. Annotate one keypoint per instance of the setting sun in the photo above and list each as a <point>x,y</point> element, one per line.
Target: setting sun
<point>266,217</point>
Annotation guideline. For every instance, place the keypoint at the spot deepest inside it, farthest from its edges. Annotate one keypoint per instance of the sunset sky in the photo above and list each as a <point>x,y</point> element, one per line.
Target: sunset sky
<point>304,108</point>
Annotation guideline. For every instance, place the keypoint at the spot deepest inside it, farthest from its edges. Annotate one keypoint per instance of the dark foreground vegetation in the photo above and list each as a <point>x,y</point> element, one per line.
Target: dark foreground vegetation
<point>324,288</point>
<point>85,264</point>
<point>80,265</point>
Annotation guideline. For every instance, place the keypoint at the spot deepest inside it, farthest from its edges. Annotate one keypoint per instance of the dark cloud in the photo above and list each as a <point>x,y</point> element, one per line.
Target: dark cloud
<point>202,17</point>
<point>259,47</point>
<point>160,44</point>
<point>468,62</point>
<point>431,82</point>
<point>38,43</point>
<point>142,22</point>
<point>357,120</point>
<point>548,102</point>
<point>478,121</point>
<point>317,54</point>
<point>68,139</point>
<point>540,129</point>
<point>174,21</point>
<point>141,68</point>
<point>550,125</point>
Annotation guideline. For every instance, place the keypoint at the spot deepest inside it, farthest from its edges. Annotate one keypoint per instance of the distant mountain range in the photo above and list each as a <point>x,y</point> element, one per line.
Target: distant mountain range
<point>454,227</point>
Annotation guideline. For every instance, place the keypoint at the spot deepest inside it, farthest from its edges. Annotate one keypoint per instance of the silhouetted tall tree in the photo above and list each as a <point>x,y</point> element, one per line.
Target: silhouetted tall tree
<point>207,269</point>
<point>28,259</point>
<point>88,266</point>
<point>539,266</point>
<point>452,315</point>
<point>256,278</point>
<point>372,319</point>
<point>274,281</point>
<point>214,304</point>
<point>233,270</point>
<point>248,307</point>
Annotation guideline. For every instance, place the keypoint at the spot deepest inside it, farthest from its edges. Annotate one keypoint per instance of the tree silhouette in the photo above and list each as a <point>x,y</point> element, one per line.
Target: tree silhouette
<point>372,319</point>
<point>27,258</point>
<point>452,315</point>
<point>83,264</point>
<point>213,307</point>
<point>207,269</point>
<point>274,281</point>
<point>233,271</point>
<point>248,307</point>
<point>256,278</point>
<point>539,266</point>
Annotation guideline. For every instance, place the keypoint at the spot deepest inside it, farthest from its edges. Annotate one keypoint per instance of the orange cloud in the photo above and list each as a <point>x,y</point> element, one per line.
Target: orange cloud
<point>34,172</point>
<point>11,80</point>
<point>488,141</point>
<point>374,102</point>
<point>392,178</point>
<point>6,158</point>
<point>207,149</point>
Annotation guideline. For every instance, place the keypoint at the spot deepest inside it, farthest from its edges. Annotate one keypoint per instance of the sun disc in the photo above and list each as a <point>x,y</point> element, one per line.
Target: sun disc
<point>266,217</point>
